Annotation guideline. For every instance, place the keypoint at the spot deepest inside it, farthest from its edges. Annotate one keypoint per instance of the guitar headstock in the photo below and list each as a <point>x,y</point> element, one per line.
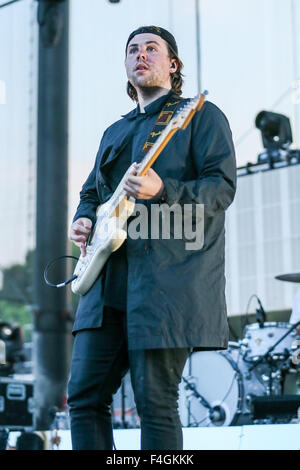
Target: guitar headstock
<point>185,114</point>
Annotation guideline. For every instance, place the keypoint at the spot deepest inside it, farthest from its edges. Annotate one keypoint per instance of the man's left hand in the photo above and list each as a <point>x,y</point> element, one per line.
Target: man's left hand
<point>148,186</point>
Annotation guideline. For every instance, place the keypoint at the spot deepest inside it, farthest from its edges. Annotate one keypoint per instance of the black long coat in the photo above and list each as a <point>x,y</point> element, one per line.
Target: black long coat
<point>175,296</point>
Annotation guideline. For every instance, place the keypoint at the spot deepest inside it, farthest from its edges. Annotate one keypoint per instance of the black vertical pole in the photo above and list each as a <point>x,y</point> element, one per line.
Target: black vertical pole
<point>51,325</point>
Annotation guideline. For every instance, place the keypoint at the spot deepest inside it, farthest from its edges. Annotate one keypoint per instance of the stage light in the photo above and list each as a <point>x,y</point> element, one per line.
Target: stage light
<point>275,130</point>
<point>11,335</point>
<point>6,332</point>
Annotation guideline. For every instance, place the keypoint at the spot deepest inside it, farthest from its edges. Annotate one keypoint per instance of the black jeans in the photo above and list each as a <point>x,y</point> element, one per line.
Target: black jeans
<point>100,360</point>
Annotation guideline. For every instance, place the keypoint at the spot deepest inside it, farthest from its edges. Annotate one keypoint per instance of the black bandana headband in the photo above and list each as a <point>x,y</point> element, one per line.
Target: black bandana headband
<point>163,33</point>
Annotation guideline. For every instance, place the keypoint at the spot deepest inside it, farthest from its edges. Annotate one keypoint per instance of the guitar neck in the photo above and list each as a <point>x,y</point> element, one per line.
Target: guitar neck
<point>119,195</point>
<point>178,121</point>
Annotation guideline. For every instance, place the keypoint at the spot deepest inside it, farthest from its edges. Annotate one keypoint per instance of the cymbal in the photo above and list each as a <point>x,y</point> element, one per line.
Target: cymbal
<point>293,277</point>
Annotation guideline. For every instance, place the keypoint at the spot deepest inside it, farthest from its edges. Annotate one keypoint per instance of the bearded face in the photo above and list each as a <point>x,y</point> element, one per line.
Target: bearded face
<point>148,63</point>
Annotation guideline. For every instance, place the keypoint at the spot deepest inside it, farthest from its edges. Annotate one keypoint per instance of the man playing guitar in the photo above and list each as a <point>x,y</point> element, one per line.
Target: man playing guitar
<point>155,301</point>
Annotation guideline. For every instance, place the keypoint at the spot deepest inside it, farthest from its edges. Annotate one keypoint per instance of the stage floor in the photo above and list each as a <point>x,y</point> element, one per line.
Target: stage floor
<point>254,437</point>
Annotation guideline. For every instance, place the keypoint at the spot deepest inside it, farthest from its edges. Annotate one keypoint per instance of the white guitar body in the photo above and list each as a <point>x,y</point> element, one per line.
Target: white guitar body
<point>108,235</point>
<point>110,229</point>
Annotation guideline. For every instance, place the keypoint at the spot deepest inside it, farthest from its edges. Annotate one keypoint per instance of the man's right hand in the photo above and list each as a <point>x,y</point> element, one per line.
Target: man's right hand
<point>79,233</point>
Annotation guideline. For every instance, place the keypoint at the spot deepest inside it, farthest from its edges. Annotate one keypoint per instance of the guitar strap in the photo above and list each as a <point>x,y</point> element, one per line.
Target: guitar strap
<point>162,121</point>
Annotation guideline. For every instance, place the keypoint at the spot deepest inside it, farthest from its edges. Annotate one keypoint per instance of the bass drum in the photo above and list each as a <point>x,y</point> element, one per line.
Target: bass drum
<point>214,376</point>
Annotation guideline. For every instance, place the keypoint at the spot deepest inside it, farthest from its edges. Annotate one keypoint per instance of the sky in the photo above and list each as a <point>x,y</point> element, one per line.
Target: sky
<point>249,51</point>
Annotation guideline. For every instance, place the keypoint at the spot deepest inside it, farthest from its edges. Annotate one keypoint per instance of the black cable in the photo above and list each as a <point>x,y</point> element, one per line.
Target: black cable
<point>62,284</point>
<point>245,322</point>
<point>8,3</point>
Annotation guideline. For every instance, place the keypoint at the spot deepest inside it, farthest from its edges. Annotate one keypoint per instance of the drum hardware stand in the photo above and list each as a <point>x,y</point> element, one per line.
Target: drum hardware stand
<point>273,372</point>
<point>216,413</point>
<point>123,396</point>
<point>123,423</point>
<point>189,401</point>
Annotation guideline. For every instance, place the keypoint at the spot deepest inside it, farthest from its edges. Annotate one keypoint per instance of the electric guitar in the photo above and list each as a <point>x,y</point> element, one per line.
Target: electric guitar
<point>109,232</point>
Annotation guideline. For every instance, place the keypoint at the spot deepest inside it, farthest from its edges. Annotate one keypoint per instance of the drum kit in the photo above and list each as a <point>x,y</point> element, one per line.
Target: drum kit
<point>218,387</point>
<point>255,381</point>
<point>222,388</point>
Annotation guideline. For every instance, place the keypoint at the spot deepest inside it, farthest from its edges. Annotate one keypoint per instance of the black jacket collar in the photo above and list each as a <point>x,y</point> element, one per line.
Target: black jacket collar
<point>151,108</point>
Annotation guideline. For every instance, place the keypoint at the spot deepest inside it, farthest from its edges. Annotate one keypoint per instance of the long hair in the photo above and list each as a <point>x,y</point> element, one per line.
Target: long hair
<point>176,78</point>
